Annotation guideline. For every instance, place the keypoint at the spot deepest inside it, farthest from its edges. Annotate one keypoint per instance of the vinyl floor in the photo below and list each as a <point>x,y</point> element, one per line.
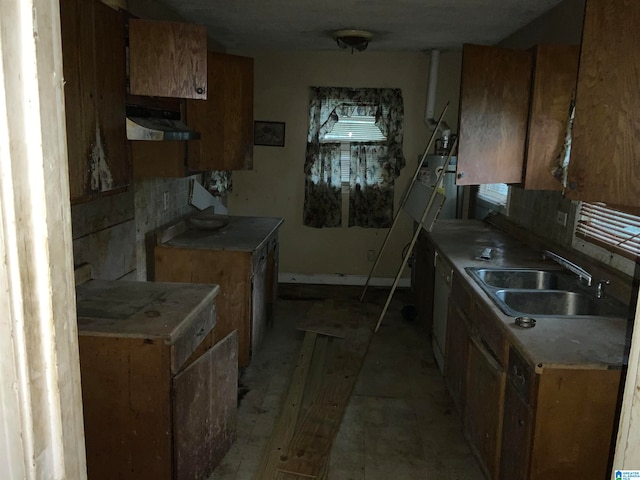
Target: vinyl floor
<point>400,423</point>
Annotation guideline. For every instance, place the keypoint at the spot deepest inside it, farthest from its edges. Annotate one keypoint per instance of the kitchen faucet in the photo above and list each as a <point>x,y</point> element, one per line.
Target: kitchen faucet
<point>581,272</point>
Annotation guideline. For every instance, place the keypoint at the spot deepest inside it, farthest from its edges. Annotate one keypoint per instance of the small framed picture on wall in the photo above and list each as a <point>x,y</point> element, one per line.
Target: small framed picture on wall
<point>270,134</point>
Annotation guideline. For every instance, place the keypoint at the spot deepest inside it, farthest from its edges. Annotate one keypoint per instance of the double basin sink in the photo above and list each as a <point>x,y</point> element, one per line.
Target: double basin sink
<point>544,293</point>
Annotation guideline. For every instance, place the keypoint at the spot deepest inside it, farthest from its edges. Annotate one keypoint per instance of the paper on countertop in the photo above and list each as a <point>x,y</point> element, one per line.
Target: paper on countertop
<point>200,198</point>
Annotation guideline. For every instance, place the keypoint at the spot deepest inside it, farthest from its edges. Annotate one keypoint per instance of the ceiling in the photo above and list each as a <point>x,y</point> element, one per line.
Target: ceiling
<point>397,25</point>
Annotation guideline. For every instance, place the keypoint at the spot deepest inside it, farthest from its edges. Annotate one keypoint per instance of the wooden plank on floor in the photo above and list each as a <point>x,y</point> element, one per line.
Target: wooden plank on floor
<point>328,319</point>
<point>316,371</point>
<point>310,448</point>
<point>284,428</point>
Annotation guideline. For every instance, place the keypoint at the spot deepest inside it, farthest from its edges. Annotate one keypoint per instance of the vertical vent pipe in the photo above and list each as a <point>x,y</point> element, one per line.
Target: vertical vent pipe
<point>432,87</point>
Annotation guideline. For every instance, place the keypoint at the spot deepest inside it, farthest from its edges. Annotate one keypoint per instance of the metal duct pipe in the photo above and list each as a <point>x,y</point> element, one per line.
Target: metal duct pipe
<point>432,87</point>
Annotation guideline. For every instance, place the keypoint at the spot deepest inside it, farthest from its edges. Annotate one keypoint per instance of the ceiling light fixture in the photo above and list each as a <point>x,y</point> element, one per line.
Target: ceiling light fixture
<point>353,39</point>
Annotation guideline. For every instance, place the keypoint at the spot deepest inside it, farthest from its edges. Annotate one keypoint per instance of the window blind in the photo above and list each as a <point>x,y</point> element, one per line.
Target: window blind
<point>616,231</point>
<point>345,162</point>
<point>495,193</point>
<point>355,129</point>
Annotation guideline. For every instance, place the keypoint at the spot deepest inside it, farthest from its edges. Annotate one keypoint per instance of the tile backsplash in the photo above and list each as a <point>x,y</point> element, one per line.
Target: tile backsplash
<point>158,201</point>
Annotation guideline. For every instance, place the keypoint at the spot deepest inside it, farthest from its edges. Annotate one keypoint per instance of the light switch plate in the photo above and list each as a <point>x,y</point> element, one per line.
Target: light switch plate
<point>561,218</point>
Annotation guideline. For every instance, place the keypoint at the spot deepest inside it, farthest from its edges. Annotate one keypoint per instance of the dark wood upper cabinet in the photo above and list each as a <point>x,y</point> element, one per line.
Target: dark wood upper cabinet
<point>225,119</point>
<point>167,59</point>
<point>606,131</point>
<point>94,66</point>
<point>494,110</point>
<point>554,80</point>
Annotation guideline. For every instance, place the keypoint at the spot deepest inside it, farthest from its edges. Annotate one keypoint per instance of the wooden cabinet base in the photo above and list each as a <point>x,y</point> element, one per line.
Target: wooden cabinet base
<point>140,423</point>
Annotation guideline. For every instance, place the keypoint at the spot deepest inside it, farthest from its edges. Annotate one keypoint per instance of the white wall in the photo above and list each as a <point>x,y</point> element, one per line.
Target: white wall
<point>275,187</point>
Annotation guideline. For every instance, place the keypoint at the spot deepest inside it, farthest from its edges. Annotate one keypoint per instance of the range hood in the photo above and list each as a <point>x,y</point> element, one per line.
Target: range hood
<point>157,125</point>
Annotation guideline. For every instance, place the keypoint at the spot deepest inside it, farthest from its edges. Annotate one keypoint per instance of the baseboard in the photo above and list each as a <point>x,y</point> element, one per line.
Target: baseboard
<point>327,279</point>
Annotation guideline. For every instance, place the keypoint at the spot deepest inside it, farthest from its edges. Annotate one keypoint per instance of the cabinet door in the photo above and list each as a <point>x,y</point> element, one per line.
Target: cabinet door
<point>110,68</point>
<point>606,134</point>
<point>484,406</point>
<point>76,23</point>
<point>167,59</point>
<point>554,80</point>
<point>516,436</point>
<point>457,354</point>
<point>225,119</point>
<point>494,109</point>
<point>258,304</point>
<point>204,410</point>
<point>93,55</point>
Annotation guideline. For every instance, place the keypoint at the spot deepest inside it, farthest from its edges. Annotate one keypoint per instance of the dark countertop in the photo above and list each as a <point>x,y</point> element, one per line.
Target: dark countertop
<point>241,234</point>
<point>580,342</point>
<point>140,309</point>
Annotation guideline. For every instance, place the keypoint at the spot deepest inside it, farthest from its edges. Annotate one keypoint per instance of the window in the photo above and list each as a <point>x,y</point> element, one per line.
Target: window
<point>354,146</point>
<point>613,230</point>
<point>496,193</point>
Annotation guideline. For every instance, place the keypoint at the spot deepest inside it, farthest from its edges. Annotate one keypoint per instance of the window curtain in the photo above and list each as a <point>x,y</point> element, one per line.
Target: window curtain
<point>322,205</point>
<point>370,186</point>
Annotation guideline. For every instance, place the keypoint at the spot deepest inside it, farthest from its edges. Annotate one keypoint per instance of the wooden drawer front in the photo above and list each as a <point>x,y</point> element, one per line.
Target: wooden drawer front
<point>522,376</point>
<point>491,334</point>
<point>188,339</point>
<point>460,296</point>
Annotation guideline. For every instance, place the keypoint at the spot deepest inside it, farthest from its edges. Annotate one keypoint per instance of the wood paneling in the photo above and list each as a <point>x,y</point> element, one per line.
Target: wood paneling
<point>225,119</point>
<point>554,80</point>
<point>494,108</point>
<point>606,131</point>
<point>167,59</point>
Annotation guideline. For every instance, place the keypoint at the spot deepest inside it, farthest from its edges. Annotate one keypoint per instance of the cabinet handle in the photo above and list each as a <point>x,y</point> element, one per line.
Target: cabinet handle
<point>518,374</point>
<point>199,90</point>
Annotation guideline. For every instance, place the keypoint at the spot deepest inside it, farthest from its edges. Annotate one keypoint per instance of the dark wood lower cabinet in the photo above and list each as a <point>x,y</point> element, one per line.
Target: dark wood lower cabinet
<point>422,280</point>
<point>516,436</point>
<point>559,423</point>
<point>457,354</point>
<point>484,406</point>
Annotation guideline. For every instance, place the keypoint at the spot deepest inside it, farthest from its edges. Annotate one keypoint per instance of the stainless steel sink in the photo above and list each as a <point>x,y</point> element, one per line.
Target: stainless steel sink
<point>543,293</point>
<point>557,303</point>
<point>529,279</point>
